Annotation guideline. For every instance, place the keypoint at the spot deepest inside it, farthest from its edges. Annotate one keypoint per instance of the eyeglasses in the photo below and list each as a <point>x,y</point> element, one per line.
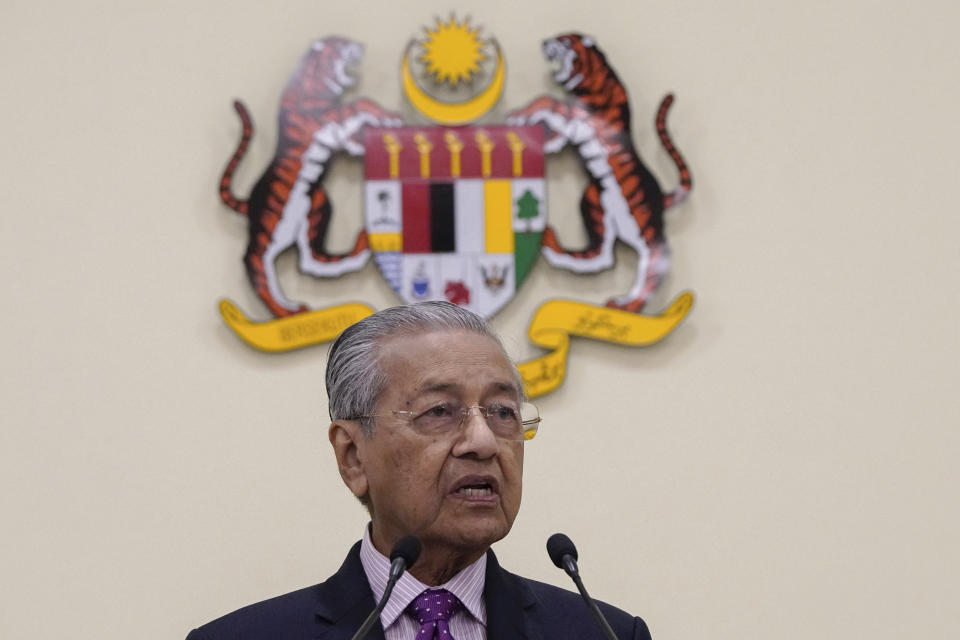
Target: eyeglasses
<point>508,422</point>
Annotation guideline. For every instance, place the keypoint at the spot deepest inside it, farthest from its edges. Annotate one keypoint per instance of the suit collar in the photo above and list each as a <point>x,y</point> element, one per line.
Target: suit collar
<point>345,600</point>
<point>507,598</point>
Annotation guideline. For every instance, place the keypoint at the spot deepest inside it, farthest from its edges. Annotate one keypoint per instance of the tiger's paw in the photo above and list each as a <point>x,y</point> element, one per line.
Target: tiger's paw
<point>633,306</point>
<point>391,119</point>
<point>549,240</point>
<point>285,311</point>
<point>554,144</point>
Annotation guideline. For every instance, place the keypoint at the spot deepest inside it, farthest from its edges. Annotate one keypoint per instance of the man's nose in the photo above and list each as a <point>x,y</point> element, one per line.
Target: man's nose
<point>476,436</point>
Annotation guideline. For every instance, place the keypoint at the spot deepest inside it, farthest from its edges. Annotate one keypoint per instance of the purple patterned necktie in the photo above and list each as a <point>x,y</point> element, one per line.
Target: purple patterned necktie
<point>433,609</point>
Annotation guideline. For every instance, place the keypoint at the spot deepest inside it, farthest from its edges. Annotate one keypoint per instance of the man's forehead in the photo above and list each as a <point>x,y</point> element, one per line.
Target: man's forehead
<point>447,360</point>
<point>438,386</point>
<point>440,343</point>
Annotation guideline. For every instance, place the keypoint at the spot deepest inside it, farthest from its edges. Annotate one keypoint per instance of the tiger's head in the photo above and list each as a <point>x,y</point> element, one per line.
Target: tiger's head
<point>325,71</point>
<point>577,61</point>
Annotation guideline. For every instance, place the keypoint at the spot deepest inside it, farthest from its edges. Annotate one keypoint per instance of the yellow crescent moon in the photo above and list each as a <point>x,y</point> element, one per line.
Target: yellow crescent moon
<point>453,112</point>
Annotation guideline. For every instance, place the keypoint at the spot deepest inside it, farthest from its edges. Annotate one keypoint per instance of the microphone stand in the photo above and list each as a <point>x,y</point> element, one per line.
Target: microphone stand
<point>405,552</point>
<point>375,614</point>
<point>570,566</point>
<point>563,553</point>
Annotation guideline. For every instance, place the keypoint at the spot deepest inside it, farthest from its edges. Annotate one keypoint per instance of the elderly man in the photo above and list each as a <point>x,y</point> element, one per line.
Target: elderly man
<point>428,429</point>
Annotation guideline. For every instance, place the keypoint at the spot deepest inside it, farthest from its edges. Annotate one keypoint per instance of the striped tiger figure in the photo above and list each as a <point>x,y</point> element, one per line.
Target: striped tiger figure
<point>288,205</point>
<point>622,200</point>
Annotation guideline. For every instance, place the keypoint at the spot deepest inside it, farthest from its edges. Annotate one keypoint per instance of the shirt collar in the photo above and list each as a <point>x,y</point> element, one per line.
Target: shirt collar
<point>466,585</point>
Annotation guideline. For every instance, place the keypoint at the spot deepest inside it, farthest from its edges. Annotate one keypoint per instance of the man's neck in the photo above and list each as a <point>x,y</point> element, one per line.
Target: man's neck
<point>436,567</point>
<point>436,564</point>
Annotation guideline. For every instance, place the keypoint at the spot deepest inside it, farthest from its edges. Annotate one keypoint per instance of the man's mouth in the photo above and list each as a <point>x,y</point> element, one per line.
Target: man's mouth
<point>476,487</point>
<point>475,491</point>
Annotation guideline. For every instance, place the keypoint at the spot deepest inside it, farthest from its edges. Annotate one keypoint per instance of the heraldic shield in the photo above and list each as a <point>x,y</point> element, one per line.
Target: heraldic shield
<point>455,213</point>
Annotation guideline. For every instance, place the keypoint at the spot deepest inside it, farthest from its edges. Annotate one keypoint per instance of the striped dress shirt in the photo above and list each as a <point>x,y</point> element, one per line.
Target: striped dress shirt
<point>469,623</point>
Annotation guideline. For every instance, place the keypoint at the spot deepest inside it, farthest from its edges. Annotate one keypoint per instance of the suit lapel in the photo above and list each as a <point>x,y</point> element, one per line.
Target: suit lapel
<point>346,601</point>
<point>508,600</point>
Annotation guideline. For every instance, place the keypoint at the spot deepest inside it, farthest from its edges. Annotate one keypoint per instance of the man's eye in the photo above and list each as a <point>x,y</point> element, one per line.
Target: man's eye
<point>438,411</point>
<point>501,412</point>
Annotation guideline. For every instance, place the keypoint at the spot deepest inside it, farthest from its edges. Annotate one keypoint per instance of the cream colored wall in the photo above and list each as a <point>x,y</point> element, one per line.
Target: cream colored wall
<point>783,466</point>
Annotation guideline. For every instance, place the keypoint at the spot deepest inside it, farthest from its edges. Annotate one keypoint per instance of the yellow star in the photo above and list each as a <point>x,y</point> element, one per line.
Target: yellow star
<point>452,51</point>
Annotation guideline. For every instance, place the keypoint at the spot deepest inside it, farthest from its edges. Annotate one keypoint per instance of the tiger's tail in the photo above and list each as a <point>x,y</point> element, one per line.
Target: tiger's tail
<point>686,180</point>
<point>226,193</point>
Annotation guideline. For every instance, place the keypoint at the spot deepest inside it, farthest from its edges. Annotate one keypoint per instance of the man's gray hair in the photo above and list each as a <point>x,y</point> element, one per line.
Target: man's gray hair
<point>354,377</point>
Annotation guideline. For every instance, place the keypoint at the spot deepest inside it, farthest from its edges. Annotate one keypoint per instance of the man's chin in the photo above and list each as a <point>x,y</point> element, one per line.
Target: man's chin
<point>480,535</point>
<point>468,532</point>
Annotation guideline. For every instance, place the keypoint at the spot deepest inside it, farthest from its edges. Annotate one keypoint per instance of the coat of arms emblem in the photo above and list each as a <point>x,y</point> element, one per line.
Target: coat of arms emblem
<point>455,213</point>
<point>457,210</point>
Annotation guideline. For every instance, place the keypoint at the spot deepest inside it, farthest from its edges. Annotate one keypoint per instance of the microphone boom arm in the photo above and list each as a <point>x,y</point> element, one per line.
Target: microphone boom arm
<point>405,552</point>
<point>375,614</point>
<point>570,566</point>
<point>563,553</point>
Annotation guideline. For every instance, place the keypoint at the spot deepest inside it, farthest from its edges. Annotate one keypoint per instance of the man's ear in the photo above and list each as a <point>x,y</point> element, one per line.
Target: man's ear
<point>345,436</point>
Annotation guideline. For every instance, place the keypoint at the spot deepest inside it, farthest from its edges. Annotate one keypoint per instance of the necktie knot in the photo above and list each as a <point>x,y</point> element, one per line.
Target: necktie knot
<point>433,609</point>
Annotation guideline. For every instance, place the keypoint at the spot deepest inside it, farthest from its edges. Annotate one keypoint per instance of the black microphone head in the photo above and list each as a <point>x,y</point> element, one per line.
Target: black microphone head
<point>408,548</point>
<point>558,546</point>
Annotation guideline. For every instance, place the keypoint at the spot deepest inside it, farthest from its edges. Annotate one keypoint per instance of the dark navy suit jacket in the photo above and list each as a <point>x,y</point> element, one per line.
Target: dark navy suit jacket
<point>334,610</point>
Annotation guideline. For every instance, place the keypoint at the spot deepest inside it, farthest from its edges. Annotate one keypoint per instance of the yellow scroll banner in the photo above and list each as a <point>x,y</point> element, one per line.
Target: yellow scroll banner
<point>296,331</point>
<point>556,320</point>
<point>552,325</point>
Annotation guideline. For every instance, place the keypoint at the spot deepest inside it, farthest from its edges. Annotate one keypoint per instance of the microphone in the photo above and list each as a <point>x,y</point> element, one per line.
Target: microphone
<point>564,555</point>
<point>403,555</point>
